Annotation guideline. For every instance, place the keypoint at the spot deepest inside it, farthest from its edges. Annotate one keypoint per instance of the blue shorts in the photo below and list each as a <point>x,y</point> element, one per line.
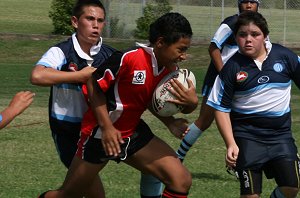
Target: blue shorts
<point>279,161</point>
<point>91,150</point>
<point>65,136</point>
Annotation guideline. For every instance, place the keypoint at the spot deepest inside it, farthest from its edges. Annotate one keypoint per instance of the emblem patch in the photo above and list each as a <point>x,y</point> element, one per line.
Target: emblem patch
<point>139,77</point>
<point>241,76</point>
<point>73,67</point>
<point>278,67</point>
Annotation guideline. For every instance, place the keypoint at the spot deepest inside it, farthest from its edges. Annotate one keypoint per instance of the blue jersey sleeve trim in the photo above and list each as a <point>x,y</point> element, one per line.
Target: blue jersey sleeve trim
<point>218,107</point>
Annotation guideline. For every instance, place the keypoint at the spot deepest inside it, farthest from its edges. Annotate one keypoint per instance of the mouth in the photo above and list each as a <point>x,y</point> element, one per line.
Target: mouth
<point>95,34</point>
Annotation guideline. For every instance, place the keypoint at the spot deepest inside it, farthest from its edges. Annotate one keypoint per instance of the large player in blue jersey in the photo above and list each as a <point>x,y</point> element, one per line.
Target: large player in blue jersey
<point>221,48</point>
<point>252,96</point>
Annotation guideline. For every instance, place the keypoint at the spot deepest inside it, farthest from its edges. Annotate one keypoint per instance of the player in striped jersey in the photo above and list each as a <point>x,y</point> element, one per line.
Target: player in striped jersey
<point>251,97</point>
<point>65,67</point>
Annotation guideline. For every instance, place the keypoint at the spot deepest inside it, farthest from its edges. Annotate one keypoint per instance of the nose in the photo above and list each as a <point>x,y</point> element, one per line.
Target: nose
<point>183,56</point>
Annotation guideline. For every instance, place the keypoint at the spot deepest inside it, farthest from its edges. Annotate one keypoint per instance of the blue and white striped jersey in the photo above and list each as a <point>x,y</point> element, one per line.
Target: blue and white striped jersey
<point>67,102</point>
<point>258,99</point>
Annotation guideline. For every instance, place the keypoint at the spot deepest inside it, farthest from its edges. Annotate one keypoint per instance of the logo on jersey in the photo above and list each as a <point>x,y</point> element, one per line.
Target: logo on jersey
<point>241,76</point>
<point>73,66</point>
<point>278,67</point>
<point>263,79</point>
<point>139,77</point>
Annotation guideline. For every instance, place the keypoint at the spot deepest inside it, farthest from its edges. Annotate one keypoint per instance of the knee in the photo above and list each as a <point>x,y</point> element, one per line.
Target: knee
<point>183,182</point>
<point>289,192</point>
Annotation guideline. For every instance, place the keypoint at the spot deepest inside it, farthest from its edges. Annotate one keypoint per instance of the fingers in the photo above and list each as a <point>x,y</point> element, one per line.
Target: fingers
<point>112,145</point>
<point>112,148</point>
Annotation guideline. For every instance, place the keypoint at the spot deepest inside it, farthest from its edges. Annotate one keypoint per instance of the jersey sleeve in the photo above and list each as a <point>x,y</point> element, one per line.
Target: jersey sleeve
<point>106,73</point>
<point>53,58</point>
<point>222,92</point>
<point>224,31</point>
<point>295,65</point>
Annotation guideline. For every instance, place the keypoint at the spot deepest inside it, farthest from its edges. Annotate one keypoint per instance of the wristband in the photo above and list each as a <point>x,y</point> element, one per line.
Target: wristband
<point>0,117</point>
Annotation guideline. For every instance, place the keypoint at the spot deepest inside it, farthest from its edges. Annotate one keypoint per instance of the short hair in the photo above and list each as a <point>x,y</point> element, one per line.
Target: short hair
<point>247,17</point>
<point>171,26</point>
<point>80,4</point>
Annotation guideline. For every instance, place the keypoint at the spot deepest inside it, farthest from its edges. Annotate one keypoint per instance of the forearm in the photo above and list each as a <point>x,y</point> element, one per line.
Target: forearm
<point>225,128</point>
<point>43,76</point>
<point>98,104</point>
<point>6,116</point>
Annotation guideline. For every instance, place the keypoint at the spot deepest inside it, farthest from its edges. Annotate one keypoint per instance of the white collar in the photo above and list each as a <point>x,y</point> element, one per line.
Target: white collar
<point>94,49</point>
<point>150,51</point>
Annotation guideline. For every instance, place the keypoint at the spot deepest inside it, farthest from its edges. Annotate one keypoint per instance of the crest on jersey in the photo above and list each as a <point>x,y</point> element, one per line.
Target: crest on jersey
<point>73,66</point>
<point>139,77</point>
<point>241,76</point>
<point>278,67</point>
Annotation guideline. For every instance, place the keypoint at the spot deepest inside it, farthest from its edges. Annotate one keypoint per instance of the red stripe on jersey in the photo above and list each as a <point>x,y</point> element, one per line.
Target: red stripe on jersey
<point>107,80</point>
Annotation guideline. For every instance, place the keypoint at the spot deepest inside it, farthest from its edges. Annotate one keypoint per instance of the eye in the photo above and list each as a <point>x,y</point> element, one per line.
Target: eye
<point>242,34</point>
<point>255,34</point>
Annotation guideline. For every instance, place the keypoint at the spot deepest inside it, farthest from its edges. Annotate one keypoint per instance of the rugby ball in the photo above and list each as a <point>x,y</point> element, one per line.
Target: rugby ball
<point>161,94</point>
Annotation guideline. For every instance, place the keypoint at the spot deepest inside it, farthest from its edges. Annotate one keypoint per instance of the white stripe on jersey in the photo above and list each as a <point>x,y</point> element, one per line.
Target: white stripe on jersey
<point>221,35</point>
<point>68,104</point>
<point>264,100</point>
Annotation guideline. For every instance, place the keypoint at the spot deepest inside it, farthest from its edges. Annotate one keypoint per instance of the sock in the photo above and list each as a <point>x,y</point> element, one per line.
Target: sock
<point>150,186</point>
<point>277,193</point>
<point>172,194</point>
<point>188,141</point>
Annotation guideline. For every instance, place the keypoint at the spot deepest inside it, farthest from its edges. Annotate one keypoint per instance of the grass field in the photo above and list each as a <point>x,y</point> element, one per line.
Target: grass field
<point>28,161</point>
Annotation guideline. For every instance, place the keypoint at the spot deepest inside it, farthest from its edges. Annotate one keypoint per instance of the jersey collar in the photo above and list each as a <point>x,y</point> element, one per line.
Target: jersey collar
<point>94,49</point>
<point>150,51</point>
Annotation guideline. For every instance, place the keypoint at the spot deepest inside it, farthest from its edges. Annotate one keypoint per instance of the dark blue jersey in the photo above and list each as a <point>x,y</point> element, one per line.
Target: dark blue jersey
<point>258,100</point>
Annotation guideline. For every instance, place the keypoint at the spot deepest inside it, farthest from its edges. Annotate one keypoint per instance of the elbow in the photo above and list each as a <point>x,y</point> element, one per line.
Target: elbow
<point>36,78</point>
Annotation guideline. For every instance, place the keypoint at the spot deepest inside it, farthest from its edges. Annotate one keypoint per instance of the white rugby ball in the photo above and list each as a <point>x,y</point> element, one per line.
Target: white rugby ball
<point>160,96</point>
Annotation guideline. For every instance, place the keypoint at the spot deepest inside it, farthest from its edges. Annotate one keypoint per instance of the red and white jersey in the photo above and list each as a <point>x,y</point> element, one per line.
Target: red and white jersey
<point>128,81</point>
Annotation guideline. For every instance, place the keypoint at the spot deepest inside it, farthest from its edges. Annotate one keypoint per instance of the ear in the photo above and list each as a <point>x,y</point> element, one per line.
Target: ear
<point>74,22</point>
<point>160,42</point>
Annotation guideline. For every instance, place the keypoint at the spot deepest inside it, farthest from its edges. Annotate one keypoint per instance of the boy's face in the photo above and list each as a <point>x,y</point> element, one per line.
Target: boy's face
<point>250,6</point>
<point>251,41</point>
<point>169,55</point>
<point>90,25</point>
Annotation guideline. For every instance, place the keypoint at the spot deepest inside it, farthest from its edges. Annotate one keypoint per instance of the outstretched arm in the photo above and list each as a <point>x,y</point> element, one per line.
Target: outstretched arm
<point>17,105</point>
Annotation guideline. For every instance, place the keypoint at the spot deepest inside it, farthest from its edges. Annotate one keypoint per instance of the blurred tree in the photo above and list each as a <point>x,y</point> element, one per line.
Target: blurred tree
<point>150,13</point>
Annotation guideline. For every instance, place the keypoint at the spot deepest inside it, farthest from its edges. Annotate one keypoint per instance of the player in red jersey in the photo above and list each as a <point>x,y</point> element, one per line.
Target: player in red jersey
<point>120,90</point>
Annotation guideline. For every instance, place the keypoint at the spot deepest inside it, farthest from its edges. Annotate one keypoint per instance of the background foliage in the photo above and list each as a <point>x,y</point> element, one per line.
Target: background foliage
<point>60,14</point>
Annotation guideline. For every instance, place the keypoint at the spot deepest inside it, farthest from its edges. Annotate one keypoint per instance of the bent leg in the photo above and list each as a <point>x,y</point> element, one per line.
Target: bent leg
<point>79,178</point>
<point>159,159</point>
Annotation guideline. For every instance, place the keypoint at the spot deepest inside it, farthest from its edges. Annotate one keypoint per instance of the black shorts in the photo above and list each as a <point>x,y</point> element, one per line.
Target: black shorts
<point>209,79</point>
<point>279,161</point>
<point>91,150</point>
<point>65,136</point>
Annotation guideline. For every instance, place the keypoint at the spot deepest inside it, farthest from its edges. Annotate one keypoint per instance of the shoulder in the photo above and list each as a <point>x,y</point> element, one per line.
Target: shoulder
<point>281,50</point>
<point>231,20</point>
